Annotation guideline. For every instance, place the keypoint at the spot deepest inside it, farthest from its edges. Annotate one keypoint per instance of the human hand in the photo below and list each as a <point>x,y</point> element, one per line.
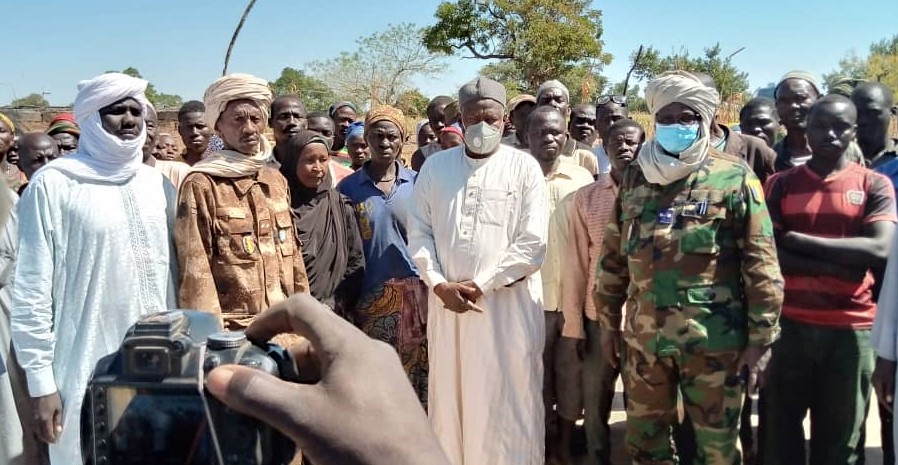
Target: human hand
<point>46,413</point>
<point>454,297</point>
<point>884,382</point>
<point>755,359</point>
<point>611,340</point>
<point>470,290</point>
<point>337,420</point>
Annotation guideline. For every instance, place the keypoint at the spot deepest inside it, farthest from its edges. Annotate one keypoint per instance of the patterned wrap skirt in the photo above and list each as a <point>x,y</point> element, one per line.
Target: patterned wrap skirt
<point>396,313</point>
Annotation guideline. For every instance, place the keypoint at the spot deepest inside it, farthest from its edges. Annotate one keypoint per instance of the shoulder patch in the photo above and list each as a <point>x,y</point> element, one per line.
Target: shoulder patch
<point>855,197</point>
<point>756,191</point>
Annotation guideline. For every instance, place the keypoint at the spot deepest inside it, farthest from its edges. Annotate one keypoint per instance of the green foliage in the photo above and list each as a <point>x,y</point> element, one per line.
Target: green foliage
<point>382,67</point>
<point>159,100</point>
<point>880,64</point>
<point>314,93</point>
<point>31,100</point>
<point>413,104</point>
<point>850,66</point>
<point>635,102</point>
<point>537,40</point>
<point>731,82</point>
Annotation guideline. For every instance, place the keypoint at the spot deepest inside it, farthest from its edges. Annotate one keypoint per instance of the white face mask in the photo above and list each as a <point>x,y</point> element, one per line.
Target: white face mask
<point>482,138</point>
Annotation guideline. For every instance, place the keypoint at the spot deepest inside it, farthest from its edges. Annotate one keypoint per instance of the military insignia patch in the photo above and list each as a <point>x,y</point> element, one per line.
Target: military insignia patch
<point>665,216</point>
<point>756,191</point>
<point>855,197</point>
<point>249,245</point>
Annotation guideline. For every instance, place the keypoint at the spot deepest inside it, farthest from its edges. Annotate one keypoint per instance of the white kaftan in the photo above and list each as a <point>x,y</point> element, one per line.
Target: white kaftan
<point>484,220</point>
<point>17,446</point>
<point>98,257</point>
<point>884,337</point>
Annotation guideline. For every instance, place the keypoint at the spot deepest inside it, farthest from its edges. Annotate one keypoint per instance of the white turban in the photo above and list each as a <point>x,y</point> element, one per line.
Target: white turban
<point>553,84</point>
<point>682,87</point>
<point>235,87</point>
<point>101,156</point>
<point>229,163</point>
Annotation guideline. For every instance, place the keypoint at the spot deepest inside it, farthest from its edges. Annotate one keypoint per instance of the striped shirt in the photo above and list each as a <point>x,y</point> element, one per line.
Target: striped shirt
<point>838,206</point>
<point>591,209</point>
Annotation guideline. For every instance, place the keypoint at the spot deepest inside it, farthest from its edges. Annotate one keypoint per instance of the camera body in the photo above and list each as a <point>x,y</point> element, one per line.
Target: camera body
<point>146,403</point>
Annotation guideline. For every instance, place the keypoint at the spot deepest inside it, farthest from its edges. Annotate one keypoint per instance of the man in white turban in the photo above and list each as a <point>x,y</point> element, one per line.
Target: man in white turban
<point>236,241</point>
<point>95,228</point>
<point>692,254</point>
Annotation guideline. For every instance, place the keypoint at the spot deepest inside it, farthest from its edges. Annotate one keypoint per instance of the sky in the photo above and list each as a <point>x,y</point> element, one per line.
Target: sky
<point>179,45</point>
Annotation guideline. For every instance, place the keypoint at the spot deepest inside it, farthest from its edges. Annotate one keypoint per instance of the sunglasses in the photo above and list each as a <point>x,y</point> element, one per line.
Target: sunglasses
<point>618,99</point>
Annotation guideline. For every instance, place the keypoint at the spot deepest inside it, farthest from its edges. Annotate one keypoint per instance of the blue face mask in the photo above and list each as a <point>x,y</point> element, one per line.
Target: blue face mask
<point>675,138</point>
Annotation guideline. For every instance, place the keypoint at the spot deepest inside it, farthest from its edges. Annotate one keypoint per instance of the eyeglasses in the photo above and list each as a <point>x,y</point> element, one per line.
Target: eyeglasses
<point>618,99</point>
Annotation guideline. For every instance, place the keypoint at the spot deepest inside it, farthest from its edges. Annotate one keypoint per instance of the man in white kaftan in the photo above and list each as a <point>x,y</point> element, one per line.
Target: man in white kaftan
<point>17,443</point>
<point>96,228</point>
<point>478,235</point>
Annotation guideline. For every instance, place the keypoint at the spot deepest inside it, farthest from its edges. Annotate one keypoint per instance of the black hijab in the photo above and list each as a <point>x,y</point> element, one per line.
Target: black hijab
<point>321,223</point>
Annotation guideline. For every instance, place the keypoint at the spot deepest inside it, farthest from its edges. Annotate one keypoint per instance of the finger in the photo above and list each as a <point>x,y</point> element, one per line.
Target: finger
<point>302,314</point>
<point>308,365</point>
<point>467,288</point>
<point>48,430</point>
<point>57,425</point>
<point>474,307</point>
<point>752,387</point>
<point>286,406</point>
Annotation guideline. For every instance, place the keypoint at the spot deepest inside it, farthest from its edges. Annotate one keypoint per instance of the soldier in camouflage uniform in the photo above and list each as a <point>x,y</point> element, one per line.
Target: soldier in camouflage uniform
<point>692,255</point>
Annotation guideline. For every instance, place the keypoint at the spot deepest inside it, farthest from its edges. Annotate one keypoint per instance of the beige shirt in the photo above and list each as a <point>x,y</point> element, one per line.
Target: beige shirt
<point>574,154</point>
<point>175,171</point>
<point>561,186</point>
<point>591,209</point>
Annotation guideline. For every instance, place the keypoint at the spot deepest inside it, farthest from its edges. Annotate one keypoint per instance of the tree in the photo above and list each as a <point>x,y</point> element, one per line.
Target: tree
<point>158,99</point>
<point>536,40</point>
<point>315,94</point>
<point>731,82</point>
<point>382,68</point>
<point>31,100</point>
<point>881,65</point>
<point>850,66</point>
<point>413,104</point>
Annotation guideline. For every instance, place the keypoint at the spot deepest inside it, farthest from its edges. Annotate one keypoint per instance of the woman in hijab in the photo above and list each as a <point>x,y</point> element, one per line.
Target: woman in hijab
<point>325,223</point>
<point>393,302</point>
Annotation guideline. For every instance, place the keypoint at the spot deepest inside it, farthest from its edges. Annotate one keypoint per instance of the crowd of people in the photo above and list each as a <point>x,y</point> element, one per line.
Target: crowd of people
<point>529,254</point>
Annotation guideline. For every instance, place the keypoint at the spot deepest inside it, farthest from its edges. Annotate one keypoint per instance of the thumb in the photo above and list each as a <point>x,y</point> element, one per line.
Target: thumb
<point>286,406</point>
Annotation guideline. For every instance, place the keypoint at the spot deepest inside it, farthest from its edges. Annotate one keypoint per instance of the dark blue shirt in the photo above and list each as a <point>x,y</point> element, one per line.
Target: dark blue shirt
<point>382,224</point>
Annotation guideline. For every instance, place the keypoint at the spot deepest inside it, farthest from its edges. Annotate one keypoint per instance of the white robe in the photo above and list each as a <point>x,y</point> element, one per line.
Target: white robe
<point>98,257</point>
<point>484,220</point>
<point>15,447</point>
<point>884,337</point>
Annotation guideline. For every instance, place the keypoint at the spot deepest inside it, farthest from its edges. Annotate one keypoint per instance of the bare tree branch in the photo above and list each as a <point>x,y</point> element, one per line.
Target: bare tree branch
<point>632,67</point>
<point>227,60</point>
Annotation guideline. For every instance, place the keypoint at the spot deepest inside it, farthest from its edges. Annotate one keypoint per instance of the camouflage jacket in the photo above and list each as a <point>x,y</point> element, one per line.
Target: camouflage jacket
<point>237,246</point>
<point>695,261</point>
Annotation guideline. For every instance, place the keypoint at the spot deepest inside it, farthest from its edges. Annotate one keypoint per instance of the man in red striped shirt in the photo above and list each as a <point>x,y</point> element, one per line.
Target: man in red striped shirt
<point>834,222</point>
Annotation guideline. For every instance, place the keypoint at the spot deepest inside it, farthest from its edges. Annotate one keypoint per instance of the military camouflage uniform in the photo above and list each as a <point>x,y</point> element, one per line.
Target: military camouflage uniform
<point>237,246</point>
<point>695,261</point>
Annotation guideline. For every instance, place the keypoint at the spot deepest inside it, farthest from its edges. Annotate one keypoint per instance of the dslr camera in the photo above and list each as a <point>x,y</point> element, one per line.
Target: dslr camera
<point>146,403</point>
